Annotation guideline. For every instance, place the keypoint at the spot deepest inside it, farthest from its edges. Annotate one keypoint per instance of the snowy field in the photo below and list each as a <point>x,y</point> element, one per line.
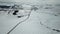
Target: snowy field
<point>41,21</point>
<point>31,26</point>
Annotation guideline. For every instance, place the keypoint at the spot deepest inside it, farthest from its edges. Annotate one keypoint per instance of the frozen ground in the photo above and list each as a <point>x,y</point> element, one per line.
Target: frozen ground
<point>31,26</point>
<point>48,17</point>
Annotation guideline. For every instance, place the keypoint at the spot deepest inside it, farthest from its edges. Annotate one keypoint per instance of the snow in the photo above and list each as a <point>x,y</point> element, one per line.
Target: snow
<point>32,25</point>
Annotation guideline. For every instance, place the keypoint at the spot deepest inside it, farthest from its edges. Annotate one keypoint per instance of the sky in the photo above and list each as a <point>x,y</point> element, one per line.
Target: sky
<point>33,1</point>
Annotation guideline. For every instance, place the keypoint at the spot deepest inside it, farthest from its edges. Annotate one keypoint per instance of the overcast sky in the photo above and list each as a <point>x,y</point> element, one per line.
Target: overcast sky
<point>33,1</point>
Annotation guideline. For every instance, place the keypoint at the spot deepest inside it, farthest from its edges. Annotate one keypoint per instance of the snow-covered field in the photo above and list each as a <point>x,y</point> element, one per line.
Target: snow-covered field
<point>48,15</point>
<point>31,26</point>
